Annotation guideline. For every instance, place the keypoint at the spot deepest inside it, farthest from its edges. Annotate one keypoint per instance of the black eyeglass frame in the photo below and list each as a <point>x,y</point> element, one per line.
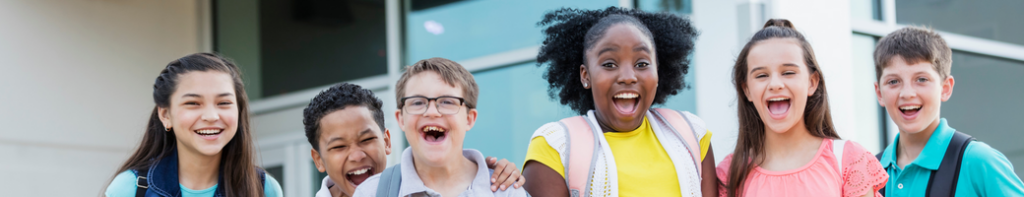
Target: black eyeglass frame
<point>462,102</point>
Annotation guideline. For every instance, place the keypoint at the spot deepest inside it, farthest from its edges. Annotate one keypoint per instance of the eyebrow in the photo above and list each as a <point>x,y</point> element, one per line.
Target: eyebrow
<point>643,48</point>
<point>199,96</point>
<point>607,49</point>
<point>364,132</point>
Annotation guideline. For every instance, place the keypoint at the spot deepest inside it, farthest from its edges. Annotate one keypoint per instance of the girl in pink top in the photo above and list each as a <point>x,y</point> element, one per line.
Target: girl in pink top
<point>787,144</point>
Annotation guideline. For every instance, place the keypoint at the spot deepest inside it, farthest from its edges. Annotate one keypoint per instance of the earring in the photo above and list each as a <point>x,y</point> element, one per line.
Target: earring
<point>168,129</point>
<point>585,85</point>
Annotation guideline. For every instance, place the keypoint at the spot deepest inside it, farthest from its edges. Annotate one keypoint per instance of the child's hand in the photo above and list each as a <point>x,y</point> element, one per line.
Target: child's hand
<point>505,174</point>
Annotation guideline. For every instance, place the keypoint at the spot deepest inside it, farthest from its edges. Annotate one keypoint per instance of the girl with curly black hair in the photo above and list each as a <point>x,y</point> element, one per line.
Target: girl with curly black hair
<point>611,66</point>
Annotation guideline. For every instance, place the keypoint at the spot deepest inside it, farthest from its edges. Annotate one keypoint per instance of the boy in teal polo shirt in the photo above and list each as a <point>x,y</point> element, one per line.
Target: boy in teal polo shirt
<point>913,69</point>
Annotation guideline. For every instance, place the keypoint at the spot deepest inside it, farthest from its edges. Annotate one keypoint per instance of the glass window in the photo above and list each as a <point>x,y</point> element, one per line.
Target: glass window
<point>986,102</point>
<point>284,46</point>
<point>868,114</point>
<point>467,29</point>
<point>676,6</point>
<point>866,10</point>
<point>513,103</point>
<point>995,20</point>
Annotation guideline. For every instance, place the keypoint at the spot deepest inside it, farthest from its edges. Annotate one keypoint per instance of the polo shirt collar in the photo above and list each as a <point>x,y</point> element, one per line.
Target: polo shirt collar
<point>411,182</point>
<point>931,155</point>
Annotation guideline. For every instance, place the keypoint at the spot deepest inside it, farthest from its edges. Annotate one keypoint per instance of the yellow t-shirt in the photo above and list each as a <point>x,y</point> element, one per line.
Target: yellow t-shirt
<point>644,168</point>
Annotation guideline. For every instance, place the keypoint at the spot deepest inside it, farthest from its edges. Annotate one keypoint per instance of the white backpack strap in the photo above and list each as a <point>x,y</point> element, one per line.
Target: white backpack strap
<point>582,145</point>
<point>837,150</point>
<point>681,126</point>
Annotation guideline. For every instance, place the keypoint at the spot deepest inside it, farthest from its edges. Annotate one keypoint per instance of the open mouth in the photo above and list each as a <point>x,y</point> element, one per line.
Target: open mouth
<point>434,133</point>
<point>357,176</point>
<point>208,132</point>
<point>626,102</point>
<point>778,106</point>
<point>910,110</point>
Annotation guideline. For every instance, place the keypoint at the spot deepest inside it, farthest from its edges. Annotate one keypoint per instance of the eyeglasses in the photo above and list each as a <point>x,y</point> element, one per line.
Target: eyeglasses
<point>444,104</point>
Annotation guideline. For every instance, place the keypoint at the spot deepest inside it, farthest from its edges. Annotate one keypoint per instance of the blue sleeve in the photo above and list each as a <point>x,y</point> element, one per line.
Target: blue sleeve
<point>271,188</point>
<point>123,185</point>
<point>989,173</point>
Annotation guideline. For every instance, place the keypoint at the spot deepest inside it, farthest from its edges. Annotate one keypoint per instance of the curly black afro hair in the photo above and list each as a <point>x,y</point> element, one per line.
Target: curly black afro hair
<point>336,98</point>
<point>569,34</point>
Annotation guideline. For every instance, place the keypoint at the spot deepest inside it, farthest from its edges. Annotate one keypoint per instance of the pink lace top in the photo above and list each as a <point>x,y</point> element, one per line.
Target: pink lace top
<point>861,174</point>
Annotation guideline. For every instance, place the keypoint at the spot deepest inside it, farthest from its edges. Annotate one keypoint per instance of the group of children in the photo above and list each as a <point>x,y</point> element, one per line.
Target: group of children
<point>610,66</point>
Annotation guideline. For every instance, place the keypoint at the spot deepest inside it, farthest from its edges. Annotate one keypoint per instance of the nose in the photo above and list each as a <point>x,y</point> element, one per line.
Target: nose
<point>775,84</point>
<point>357,154</point>
<point>210,115</point>
<point>907,92</point>
<point>626,75</point>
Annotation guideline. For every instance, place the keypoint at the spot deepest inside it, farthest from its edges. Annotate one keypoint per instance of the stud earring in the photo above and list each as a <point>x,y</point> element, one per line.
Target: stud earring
<point>585,85</point>
<point>168,129</point>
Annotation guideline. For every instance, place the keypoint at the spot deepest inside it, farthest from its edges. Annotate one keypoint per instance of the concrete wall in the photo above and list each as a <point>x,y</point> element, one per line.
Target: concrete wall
<point>75,86</point>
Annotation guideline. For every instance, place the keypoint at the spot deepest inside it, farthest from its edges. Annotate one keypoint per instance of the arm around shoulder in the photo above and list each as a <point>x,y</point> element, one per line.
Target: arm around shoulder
<point>123,185</point>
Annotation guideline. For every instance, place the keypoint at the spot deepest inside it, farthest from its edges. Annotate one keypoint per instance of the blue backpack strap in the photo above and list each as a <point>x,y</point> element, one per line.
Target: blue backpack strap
<point>263,177</point>
<point>390,181</point>
<point>943,181</point>
<point>141,183</point>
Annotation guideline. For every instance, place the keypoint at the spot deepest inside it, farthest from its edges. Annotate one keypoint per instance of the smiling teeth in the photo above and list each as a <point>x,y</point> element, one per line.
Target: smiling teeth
<point>208,131</point>
<point>778,99</point>
<point>626,96</point>
<point>914,107</point>
<point>433,128</point>
<point>359,172</point>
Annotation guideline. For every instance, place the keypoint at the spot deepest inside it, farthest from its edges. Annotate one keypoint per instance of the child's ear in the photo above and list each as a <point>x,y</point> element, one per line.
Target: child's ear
<point>387,141</point>
<point>947,88</point>
<point>878,93</point>
<point>398,116</point>
<point>317,160</point>
<point>584,78</point>
<point>165,118</point>
<point>814,83</point>
<point>746,93</point>
<point>471,117</point>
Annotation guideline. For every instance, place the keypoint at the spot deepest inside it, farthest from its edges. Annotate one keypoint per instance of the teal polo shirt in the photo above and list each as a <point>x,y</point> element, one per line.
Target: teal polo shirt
<point>984,171</point>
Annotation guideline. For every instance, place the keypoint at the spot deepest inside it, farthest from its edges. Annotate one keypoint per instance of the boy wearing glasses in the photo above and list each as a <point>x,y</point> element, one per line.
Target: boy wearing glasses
<point>436,107</point>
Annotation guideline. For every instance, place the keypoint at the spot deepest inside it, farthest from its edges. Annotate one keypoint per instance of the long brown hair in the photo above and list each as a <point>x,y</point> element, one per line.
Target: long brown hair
<point>237,165</point>
<point>749,150</point>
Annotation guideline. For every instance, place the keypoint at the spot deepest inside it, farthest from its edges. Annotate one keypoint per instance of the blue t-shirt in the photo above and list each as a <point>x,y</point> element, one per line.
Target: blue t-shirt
<point>124,186</point>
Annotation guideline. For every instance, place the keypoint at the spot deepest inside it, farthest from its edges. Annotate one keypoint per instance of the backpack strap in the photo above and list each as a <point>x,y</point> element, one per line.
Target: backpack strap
<point>582,144</point>
<point>837,150</point>
<point>390,181</point>
<point>141,182</point>
<point>943,181</point>
<point>681,125</point>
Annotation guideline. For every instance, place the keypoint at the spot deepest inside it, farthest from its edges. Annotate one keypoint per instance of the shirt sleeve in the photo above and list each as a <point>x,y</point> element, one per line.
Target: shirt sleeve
<point>540,151</point>
<point>272,188</point>
<point>990,172</point>
<point>705,143</point>
<point>123,185</point>
<point>861,171</point>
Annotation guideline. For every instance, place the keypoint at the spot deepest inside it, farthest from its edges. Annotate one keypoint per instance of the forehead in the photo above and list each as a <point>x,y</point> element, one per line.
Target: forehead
<point>204,83</point>
<point>775,52</point>
<point>430,84</point>
<point>899,65</point>
<point>622,34</point>
<point>347,122</point>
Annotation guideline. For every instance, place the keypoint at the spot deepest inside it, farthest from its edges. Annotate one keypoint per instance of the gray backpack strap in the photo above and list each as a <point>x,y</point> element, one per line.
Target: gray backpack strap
<point>390,181</point>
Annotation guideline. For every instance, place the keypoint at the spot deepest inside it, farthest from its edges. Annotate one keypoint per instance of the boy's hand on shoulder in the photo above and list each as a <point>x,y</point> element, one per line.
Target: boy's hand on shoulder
<point>505,175</point>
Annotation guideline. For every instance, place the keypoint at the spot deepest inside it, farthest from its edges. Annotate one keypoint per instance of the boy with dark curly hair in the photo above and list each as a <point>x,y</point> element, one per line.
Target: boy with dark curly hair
<point>611,66</point>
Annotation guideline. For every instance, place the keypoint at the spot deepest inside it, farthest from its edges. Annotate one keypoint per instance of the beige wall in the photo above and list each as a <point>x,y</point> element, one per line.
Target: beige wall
<point>75,83</point>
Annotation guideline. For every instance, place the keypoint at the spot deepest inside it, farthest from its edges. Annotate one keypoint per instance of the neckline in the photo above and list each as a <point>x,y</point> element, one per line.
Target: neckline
<point>817,156</point>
